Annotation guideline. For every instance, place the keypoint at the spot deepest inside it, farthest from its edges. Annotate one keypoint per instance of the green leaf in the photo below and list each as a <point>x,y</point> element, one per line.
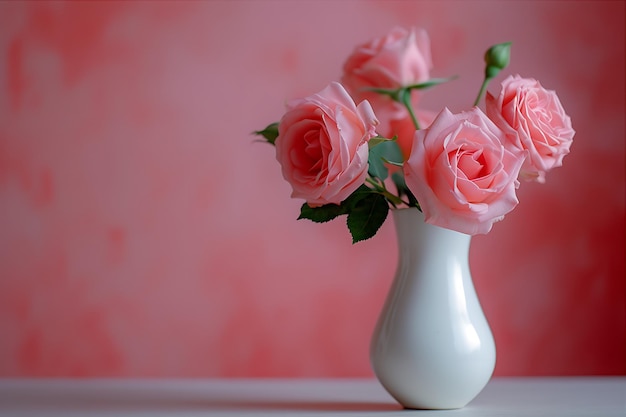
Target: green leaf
<point>367,216</point>
<point>376,140</point>
<point>328,212</point>
<point>400,183</point>
<point>323,213</point>
<point>385,151</point>
<point>412,200</point>
<point>399,94</point>
<point>270,133</point>
<point>395,164</point>
<point>366,209</point>
<point>430,83</point>
<point>391,92</point>
<point>356,195</point>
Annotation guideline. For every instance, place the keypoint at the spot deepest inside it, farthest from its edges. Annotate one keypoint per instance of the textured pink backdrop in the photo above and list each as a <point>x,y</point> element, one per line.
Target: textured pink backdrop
<point>144,233</point>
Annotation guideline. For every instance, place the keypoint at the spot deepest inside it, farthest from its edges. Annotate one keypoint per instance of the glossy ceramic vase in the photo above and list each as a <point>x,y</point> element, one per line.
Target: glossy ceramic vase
<point>432,347</point>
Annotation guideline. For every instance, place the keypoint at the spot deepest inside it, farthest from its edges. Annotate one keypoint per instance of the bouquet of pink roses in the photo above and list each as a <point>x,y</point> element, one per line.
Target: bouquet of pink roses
<point>461,170</point>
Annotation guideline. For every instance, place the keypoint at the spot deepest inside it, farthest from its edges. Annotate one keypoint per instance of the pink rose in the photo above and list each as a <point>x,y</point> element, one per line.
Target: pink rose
<point>322,145</point>
<point>461,173</point>
<point>534,120</point>
<point>398,59</point>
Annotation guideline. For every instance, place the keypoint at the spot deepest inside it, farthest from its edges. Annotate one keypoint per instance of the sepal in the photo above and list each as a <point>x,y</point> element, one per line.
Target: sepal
<point>270,133</point>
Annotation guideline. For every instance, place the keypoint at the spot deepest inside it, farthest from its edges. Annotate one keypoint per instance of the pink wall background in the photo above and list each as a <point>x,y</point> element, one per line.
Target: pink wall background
<point>144,233</point>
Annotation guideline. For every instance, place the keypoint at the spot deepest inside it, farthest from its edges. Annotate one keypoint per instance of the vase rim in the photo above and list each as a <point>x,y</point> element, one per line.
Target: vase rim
<point>398,213</point>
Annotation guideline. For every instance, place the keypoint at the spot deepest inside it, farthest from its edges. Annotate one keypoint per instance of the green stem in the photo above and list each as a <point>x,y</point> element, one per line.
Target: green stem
<point>382,189</point>
<point>483,88</point>
<point>375,184</point>
<point>405,96</point>
<point>394,199</point>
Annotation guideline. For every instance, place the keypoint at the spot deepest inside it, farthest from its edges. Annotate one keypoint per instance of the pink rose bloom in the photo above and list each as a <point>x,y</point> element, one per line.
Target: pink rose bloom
<point>461,173</point>
<point>322,145</point>
<point>398,59</point>
<point>534,120</point>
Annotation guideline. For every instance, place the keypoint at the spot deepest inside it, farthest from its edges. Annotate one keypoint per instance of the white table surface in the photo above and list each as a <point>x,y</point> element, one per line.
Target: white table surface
<point>546,397</point>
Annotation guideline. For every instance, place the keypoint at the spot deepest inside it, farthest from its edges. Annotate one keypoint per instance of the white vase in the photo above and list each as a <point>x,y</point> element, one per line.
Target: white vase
<point>432,347</point>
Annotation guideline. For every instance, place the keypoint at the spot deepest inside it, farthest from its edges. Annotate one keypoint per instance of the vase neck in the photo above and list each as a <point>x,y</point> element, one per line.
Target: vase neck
<point>413,233</point>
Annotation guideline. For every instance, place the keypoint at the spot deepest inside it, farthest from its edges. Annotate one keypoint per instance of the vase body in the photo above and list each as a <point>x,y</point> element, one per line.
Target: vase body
<point>432,347</point>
